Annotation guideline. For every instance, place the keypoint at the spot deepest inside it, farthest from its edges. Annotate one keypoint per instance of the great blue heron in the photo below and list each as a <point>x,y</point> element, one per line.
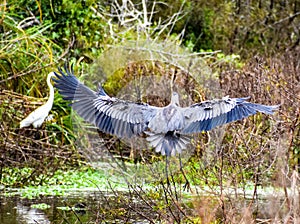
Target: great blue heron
<point>37,117</point>
<point>168,128</point>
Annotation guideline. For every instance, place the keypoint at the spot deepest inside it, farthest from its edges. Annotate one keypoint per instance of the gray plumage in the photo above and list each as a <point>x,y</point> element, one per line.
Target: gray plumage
<point>168,128</point>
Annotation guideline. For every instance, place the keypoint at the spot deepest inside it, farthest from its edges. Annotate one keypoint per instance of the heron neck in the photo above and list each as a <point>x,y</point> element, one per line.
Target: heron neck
<point>175,101</point>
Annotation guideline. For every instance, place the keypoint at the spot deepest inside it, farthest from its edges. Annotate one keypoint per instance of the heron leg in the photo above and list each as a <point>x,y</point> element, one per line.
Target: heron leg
<point>167,175</point>
<point>187,183</point>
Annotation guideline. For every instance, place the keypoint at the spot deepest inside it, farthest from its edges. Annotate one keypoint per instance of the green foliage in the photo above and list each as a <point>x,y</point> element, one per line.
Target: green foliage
<point>62,124</point>
<point>41,206</point>
<point>59,184</point>
<point>24,51</point>
<point>235,27</point>
<point>230,60</point>
<point>77,19</point>
<point>199,29</point>
<point>70,21</point>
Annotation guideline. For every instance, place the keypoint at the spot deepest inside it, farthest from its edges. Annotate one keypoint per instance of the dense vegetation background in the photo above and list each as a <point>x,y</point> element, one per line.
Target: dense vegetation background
<point>251,48</point>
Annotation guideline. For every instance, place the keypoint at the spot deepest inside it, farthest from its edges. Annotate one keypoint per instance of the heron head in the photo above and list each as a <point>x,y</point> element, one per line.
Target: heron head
<point>175,99</point>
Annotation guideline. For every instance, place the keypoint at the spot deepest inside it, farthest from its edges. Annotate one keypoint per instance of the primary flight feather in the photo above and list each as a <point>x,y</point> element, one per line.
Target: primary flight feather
<point>168,128</point>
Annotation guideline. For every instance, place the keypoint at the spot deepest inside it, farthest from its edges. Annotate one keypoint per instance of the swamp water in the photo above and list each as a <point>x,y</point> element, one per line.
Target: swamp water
<point>103,207</point>
<point>123,205</point>
<point>80,207</point>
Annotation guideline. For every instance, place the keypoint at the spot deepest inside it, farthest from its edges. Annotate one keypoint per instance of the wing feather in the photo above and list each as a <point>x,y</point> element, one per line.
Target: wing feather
<point>208,114</point>
<point>125,118</point>
<point>110,115</point>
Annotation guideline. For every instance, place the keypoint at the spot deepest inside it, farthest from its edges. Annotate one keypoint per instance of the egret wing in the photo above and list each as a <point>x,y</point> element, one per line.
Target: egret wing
<point>208,114</point>
<point>109,114</point>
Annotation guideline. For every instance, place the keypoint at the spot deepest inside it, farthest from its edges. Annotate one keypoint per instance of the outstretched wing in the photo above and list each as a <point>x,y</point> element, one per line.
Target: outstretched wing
<point>110,115</point>
<point>208,114</point>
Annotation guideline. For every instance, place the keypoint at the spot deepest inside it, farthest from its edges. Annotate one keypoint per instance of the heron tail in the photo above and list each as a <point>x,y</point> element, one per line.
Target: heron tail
<point>168,143</point>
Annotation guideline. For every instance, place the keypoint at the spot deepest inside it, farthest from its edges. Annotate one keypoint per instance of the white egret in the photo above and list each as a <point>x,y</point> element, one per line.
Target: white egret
<point>37,117</point>
<point>168,128</point>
